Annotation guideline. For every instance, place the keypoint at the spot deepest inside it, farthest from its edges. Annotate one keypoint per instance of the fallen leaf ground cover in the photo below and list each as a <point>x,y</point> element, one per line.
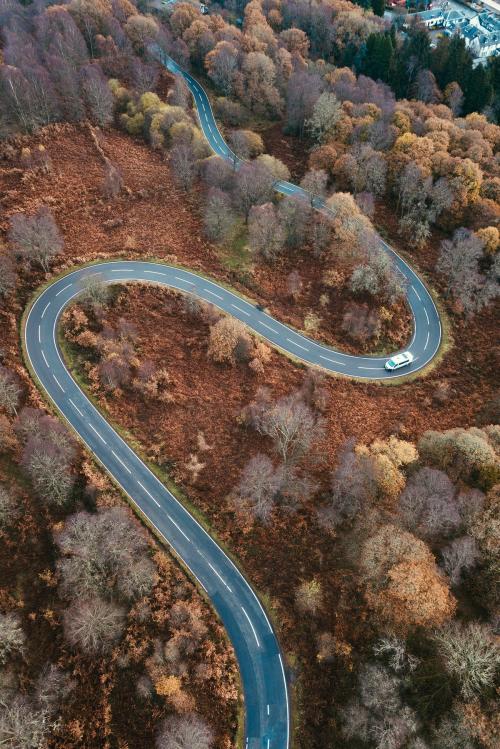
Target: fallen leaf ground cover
<point>155,218</point>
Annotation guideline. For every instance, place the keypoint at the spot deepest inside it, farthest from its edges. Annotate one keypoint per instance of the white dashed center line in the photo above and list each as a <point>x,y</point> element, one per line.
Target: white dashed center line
<point>45,359</point>
<point>148,493</point>
<point>99,435</point>
<point>75,407</point>
<point>45,309</point>
<point>426,316</point>
<point>121,461</point>
<point>218,296</point>
<point>243,311</point>
<point>427,340</point>
<point>184,280</point>
<point>178,528</point>
<point>333,361</point>
<point>265,325</point>
<point>299,345</point>
<point>55,378</point>
<point>416,292</point>
<point>220,577</point>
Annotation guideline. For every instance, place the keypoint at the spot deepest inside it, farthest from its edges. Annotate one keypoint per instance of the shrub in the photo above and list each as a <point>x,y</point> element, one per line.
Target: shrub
<point>225,337</point>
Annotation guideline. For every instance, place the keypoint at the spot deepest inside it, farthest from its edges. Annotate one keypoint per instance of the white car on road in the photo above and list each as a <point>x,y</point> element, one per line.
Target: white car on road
<point>398,361</point>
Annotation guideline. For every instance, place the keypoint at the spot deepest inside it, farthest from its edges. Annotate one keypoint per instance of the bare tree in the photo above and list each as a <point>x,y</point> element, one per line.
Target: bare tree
<point>23,724</point>
<point>48,455</point>
<point>302,92</point>
<point>52,687</point>
<point>470,654</point>
<point>9,510</point>
<point>314,182</point>
<point>93,626</point>
<point>12,637</point>
<point>25,721</point>
<point>253,186</point>
<point>28,99</point>
<point>36,238</point>
<point>294,216</point>
<point>289,422</point>
<point>97,95</point>
<point>427,89</point>
<point>366,203</point>
<point>222,64</point>
<point>266,236</point>
<point>459,557</point>
<point>96,292</point>
<point>427,504</point>
<point>353,486</point>
<point>361,322</point>
<point>184,164</point>
<point>179,96</point>
<point>10,390</point>
<point>420,202</point>
<point>459,262</point>
<point>326,114</point>
<point>364,169</point>
<point>105,555</point>
<point>232,113</point>
<point>379,715</point>
<point>321,233</point>
<point>217,173</point>
<point>394,651</point>
<point>218,218</point>
<point>257,491</point>
<point>454,97</point>
<point>377,277</point>
<point>8,276</point>
<point>185,732</point>
<point>113,180</point>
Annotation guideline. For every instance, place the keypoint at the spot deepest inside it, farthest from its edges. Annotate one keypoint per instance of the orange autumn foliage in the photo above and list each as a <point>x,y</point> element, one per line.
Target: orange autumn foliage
<point>416,595</point>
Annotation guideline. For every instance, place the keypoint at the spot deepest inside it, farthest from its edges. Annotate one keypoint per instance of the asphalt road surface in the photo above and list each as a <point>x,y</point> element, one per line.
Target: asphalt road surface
<point>267,722</point>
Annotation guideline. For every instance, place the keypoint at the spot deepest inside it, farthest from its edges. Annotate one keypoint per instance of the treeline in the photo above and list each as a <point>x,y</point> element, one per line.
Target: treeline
<point>57,58</point>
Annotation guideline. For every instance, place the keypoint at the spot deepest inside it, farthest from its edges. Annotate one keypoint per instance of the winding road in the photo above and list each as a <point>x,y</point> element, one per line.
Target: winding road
<point>267,724</point>
<point>426,323</point>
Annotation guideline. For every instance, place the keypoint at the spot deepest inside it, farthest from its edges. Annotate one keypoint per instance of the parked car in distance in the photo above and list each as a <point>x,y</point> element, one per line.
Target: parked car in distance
<point>398,361</point>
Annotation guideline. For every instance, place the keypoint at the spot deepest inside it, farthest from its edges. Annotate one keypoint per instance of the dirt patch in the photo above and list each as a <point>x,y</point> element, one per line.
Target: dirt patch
<point>292,151</point>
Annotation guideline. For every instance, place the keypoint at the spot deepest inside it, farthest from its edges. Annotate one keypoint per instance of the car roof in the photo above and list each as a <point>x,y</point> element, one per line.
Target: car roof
<point>399,358</point>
